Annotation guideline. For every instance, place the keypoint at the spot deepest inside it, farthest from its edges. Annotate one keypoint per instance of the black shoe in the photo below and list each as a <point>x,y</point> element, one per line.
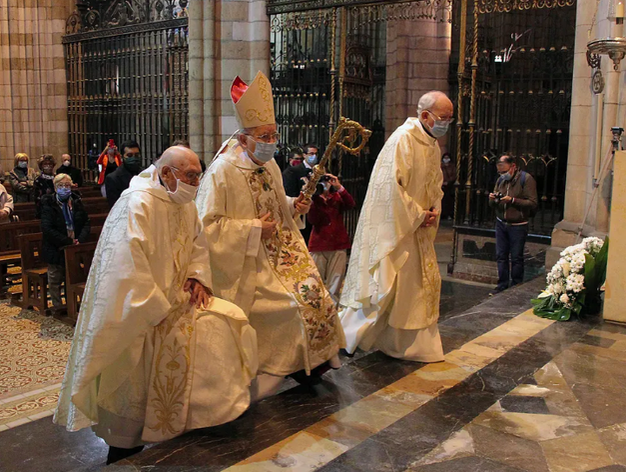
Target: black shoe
<point>497,290</point>
<point>314,378</point>
<point>119,453</point>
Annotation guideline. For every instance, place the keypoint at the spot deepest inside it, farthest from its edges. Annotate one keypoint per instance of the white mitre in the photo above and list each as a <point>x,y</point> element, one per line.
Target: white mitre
<point>254,103</point>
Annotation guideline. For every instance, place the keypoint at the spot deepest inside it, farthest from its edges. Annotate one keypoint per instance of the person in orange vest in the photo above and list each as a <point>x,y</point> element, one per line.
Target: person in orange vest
<point>109,160</point>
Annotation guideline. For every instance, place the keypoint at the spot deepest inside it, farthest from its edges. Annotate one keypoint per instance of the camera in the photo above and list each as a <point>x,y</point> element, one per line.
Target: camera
<point>499,196</point>
<point>324,178</point>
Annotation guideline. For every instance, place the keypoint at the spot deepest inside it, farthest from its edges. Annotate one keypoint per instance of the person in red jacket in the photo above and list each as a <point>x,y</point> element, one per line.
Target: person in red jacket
<point>329,239</point>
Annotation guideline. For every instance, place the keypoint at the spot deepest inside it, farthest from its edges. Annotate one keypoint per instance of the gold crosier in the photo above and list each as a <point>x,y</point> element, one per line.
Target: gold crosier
<point>354,129</point>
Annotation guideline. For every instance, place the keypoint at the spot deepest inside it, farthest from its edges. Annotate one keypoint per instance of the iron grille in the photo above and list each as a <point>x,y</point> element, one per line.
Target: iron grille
<point>127,76</point>
<point>523,63</point>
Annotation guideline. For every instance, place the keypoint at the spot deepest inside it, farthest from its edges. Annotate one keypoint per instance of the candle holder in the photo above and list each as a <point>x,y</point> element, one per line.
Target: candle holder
<point>615,48</point>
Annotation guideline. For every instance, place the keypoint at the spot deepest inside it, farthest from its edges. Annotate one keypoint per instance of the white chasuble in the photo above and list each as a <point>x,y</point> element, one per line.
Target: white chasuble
<point>392,288</point>
<point>274,281</point>
<point>144,364</point>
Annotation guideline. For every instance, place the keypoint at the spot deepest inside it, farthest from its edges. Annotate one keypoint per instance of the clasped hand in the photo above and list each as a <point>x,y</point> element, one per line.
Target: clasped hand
<point>200,295</point>
<point>430,219</point>
<point>302,205</point>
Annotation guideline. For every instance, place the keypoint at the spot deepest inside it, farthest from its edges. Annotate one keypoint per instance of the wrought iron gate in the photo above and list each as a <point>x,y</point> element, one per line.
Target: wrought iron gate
<point>127,75</point>
<point>328,59</point>
<point>514,63</point>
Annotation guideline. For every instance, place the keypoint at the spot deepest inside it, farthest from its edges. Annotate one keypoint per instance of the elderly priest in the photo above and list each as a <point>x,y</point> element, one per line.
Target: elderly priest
<point>259,260</point>
<point>154,354</point>
<point>391,293</point>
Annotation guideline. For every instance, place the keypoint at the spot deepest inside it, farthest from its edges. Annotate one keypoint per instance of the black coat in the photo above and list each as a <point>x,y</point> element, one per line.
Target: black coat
<point>42,187</point>
<point>74,172</point>
<point>116,182</point>
<point>292,179</point>
<point>54,231</point>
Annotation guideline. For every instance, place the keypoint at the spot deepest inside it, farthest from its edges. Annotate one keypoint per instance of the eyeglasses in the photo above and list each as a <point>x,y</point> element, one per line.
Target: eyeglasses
<point>64,186</point>
<point>190,176</point>
<point>266,138</point>
<point>448,121</point>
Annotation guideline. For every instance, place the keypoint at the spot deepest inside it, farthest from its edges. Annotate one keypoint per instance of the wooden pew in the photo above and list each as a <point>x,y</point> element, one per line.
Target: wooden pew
<point>10,246</point>
<point>77,264</point>
<point>93,206</point>
<point>34,274</point>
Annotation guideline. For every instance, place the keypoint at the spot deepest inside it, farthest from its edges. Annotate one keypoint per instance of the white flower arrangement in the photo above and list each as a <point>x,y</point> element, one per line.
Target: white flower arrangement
<point>574,280</point>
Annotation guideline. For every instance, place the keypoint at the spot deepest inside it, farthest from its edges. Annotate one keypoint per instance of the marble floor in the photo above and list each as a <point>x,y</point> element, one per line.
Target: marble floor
<point>515,393</point>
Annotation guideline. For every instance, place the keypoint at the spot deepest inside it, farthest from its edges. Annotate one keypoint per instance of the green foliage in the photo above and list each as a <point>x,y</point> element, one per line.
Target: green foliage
<point>588,301</point>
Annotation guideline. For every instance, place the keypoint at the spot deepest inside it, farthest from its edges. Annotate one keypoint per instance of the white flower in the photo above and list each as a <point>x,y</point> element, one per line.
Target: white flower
<point>578,261</point>
<point>575,283</point>
<point>593,245</point>
<point>564,299</point>
<point>566,268</point>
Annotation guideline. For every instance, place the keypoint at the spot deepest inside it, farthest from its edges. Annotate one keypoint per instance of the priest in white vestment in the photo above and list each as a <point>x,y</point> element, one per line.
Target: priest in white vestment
<point>391,294</point>
<point>154,354</point>
<point>259,260</point>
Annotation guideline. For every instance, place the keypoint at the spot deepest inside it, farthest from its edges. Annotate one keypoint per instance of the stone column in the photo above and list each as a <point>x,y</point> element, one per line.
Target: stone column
<point>582,155</point>
<point>33,90</point>
<point>418,55</point>
<point>227,38</point>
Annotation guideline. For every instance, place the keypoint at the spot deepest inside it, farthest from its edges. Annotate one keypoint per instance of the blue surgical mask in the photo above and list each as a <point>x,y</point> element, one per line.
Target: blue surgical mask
<point>264,152</point>
<point>311,160</point>
<point>506,177</point>
<point>22,165</point>
<point>63,193</point>
<point>440,128</point>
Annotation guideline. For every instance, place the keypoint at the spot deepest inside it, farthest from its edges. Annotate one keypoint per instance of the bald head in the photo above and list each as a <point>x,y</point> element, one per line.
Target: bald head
<point>434,107</point>
<point>179,162</point>
<point>177,156</point>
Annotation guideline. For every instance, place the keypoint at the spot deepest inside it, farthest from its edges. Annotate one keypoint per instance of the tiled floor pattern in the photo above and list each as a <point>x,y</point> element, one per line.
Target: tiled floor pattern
<point>569,418</point>
<point>320,443</point>
<point>33,353</point>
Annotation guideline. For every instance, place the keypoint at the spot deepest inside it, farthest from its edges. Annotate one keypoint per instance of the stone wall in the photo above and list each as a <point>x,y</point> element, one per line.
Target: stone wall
<point>418,54</point>
<point>33,99</point>
<point>583,158</point>
<point>227,38</point>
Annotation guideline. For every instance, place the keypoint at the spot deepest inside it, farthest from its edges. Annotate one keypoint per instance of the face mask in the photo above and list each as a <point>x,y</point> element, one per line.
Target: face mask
<point>326,186</point>
<point>506,177</point>
<point>264,152</point>
<point>446,160</point>
<point>184,193</point>
<point>48,170</point>
<point>439,129</point>
<point>66,163</point>
<point>22,164</point>
<point>64,193</point>
<point>133,164</point>
<point>311,160</point>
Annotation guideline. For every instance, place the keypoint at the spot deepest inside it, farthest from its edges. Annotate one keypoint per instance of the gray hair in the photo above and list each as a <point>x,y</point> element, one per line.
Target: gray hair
<point>428,100</point>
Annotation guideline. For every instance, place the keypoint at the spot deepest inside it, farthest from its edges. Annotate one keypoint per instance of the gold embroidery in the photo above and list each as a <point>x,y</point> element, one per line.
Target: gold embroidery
<point>266,95</point>
<point>292,264</point>
<point>173,337</point>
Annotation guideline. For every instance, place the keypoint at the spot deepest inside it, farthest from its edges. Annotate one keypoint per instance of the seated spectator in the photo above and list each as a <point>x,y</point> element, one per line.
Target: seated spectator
<point>43,184</point>
<point>119,180</point>
<point>64,222</point>
<point>329,239</point>
<point>22,179</point>
<point>6,205</point>
<point>74,172</point>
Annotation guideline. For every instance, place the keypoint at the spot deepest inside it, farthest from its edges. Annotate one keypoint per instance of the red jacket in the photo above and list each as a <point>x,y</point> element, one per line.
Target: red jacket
<point>326,216</point>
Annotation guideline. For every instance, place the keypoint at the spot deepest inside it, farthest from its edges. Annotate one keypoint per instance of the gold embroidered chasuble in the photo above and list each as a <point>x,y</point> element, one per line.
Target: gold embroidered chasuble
<point>274,281</point>
<point>141,353</point>
<point>393,276</point>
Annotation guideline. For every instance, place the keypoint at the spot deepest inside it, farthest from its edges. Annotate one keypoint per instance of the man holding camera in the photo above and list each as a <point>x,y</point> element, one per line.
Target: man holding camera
<point>515,200</point>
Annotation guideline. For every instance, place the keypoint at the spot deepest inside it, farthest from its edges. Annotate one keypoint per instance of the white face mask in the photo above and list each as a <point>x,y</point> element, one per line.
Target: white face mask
<point>184,193</point>
<point>66,163</point>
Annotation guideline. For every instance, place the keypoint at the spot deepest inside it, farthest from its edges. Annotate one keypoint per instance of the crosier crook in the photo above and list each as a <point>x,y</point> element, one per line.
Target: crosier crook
<point>336,141</point>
